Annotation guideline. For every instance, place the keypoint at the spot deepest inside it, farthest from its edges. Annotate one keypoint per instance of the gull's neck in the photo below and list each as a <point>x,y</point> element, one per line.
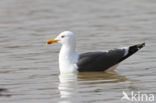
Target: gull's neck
<point>68,58</point>
<point>68,48</point>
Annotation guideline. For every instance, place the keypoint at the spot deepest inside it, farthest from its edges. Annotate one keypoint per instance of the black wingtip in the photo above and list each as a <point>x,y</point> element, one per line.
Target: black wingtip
<point>135,48</point>
<point>141,45</point>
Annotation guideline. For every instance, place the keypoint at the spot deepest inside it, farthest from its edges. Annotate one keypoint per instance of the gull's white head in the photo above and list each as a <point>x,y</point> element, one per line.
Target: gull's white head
<point>66,37</point>
<point>67,56</point>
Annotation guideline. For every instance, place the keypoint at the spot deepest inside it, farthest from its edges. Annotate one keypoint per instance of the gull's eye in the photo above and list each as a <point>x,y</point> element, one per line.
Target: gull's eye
<point>62,36</point>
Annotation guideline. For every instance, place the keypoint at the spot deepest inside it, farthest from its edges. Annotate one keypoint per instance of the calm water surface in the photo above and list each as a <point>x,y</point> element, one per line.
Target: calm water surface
<point>29,68</point>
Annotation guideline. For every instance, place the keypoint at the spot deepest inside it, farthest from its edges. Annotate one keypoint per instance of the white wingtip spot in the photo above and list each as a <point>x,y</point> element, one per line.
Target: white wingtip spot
<point>126,50</point>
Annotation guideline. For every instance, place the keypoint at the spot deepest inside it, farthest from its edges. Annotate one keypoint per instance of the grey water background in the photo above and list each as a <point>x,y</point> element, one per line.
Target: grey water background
<point>29,68</point>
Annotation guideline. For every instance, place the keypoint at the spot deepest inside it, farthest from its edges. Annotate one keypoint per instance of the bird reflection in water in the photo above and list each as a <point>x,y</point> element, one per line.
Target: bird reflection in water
<point>68,88</point>
<point>102,77</point>
<point>70,83</point>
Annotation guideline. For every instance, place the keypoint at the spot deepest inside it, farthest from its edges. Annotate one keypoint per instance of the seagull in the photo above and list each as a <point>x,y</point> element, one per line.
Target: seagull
<point>70,61</point>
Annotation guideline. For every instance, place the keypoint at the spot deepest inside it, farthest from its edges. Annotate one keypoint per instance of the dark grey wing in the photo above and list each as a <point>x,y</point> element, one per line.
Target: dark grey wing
<point>101,61</point>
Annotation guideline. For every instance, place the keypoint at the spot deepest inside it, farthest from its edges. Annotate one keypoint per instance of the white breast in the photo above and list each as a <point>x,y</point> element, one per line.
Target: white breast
<point>67,61</point>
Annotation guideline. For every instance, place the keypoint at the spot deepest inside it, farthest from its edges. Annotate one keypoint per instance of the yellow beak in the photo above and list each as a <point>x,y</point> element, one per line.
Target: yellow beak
<point>51,41</point>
